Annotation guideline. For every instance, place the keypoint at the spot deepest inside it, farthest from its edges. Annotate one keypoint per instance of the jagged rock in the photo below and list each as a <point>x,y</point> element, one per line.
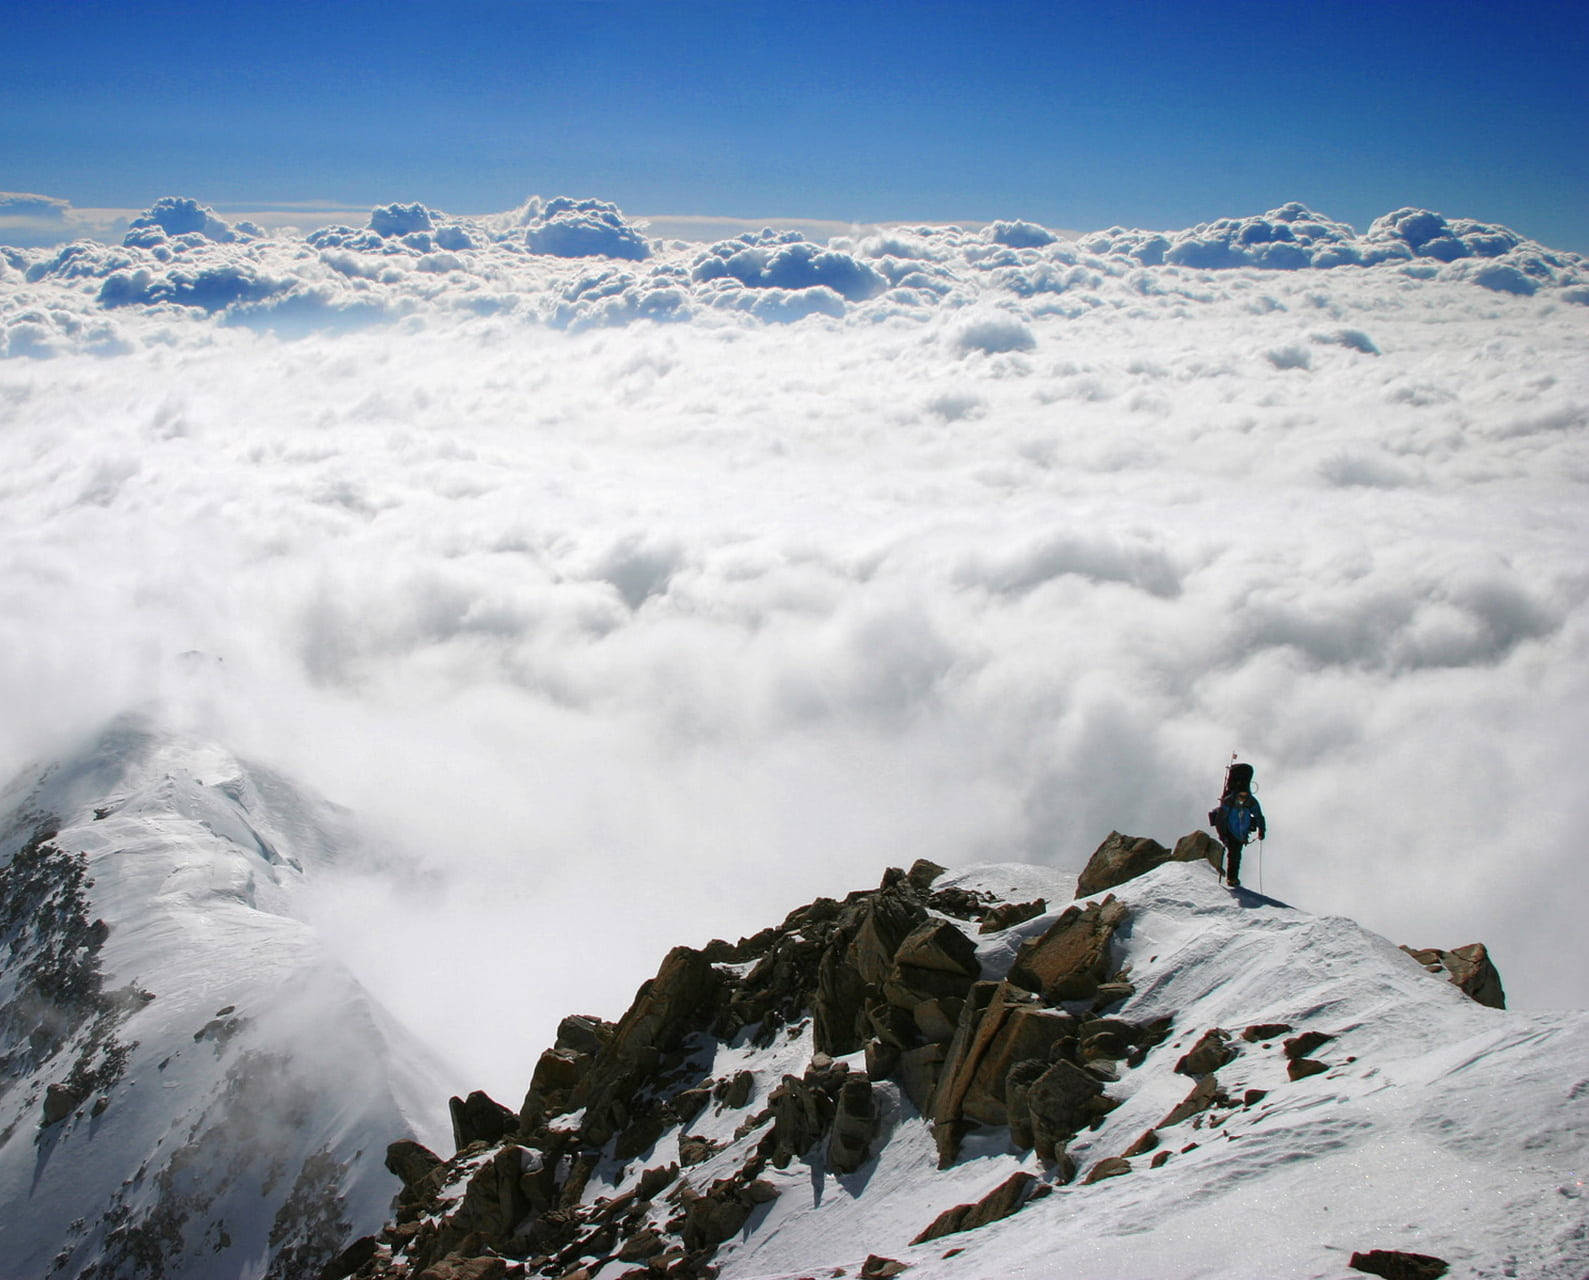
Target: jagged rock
<point>1144,1144</point>
<point>646,1243</point>
<point>907,985</point>
<point>641,1135</point>
<point>886,922</point>
<point>353,1257</point>
<point>1392,1264</point>
<point>801,1114</point>
<point>1120,858</point>
<point>854,1125</point>
<point>1070,959</point>
<point>837,1009</point>
<point>1112,992</point>
<point>1027,1032</point>
<point>1058,1104</point>
<point>694,1149</point>
<point>1109,1167</point>
<point>1205,1093</point>
<point>667,1006</point>
<point>1304,1044</point>
<point>938,945</point>
<point>679,999</point>
<point>584,1033</point>
<point>410,1162</point>
<point>480,1118</point>
<point>1469,968</point>
<point>923,872</point>
<point>1302,1068</point>
<point>965,1089</point>
<point>1265,1031</point>
<point>1017,1088</point>
<point>711,1218</point>
<point>557,1072</point>
<point>689,1103</point>
<point>1001,1202</point>
<point>877,1267</point>
<point>735,1092</point>
<point>492,1204</point>
<point>478,1268</point>
<point>1009,914</point>
<point>59,1102</point>
<point>1208,1055</point>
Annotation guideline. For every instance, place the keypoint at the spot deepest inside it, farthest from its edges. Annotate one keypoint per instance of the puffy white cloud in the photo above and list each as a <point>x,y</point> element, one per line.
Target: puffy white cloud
<point>588,576</point>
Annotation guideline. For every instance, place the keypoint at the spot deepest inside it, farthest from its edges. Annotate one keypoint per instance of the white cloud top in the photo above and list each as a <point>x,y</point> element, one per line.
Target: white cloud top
<point>721,576</point>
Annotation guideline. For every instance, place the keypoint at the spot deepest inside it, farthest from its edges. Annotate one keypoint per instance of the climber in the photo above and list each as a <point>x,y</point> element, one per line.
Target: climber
<point>1237,819</point>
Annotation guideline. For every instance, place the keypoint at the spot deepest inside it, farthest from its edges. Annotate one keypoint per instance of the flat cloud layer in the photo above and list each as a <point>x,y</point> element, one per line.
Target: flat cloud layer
<point>640,590</point>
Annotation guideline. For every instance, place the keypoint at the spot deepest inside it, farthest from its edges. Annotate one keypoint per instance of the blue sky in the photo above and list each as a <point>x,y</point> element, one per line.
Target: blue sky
<point>1074,115</point>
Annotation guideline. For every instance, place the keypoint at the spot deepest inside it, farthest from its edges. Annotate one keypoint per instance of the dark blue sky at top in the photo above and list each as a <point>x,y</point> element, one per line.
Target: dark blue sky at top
<point>1078,116</point>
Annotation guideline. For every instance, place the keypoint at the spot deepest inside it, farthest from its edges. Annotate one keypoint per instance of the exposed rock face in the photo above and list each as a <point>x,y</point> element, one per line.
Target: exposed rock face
<point>1469,967</point>
<point>479,1118</point>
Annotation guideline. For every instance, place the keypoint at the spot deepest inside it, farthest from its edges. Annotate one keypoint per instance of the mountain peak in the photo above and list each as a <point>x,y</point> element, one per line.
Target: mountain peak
<point>972,1074</point>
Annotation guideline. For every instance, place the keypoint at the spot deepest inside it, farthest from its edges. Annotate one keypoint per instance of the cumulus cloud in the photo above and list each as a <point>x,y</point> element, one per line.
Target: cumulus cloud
<point>617,603</point>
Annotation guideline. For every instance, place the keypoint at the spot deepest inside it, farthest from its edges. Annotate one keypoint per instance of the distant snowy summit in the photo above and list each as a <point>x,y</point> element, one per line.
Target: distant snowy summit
<point>190,1085</point>
<point>577,263</point>
<point>970,1076</point>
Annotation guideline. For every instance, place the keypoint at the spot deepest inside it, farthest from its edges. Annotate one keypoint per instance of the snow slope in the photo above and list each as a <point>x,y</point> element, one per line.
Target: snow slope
<point>1440,1127</point>
<point>232,1088</point>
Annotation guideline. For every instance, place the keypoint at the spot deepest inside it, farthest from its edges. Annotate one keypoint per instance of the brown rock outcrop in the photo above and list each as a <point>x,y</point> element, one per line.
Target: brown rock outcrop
<point>1469,968</point>
<point>1071,958</point>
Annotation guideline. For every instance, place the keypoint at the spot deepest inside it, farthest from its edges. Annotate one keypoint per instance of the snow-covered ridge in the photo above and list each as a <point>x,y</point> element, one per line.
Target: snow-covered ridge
<point>190,1085</point>
<point>951,1077</point>
<point>576,263</point>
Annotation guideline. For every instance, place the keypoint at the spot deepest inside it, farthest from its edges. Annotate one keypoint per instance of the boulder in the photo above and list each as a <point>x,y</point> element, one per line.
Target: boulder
<point>887,921</point>
<point>712,1218</point>
<point>1205,1093</point>
<point>1118,859</point>
<point>838,1004</point>
<point>877,1267</point>
<point>1469,968</point>
<point>1071,958</point>
<point>1208,1055</point>
<point>937,1018</point>
<point>939,946</point>
<point>59,1102</point>
<point>1027,1032</point>
<point>1001,1202</point>
<point>1059,1106</point>
<point>800,1116</point>
<point>1199,846</point>
<point>1017,1088</point>
<point>1009,914</point>
<point>923,872</point>
<point>480,1118</point>
<point>1109,1167</point>
<point>1393,1264</point>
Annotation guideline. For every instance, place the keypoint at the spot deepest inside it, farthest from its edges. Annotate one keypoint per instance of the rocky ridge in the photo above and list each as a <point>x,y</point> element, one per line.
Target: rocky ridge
<point>999,1025</point>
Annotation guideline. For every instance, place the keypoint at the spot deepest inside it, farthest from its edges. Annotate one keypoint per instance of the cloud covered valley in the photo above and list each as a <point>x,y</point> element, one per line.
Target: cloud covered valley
<point>634,591</point>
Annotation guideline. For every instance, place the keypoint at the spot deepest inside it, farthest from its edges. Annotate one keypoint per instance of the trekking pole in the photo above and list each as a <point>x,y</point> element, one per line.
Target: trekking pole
<point>1260,866</point>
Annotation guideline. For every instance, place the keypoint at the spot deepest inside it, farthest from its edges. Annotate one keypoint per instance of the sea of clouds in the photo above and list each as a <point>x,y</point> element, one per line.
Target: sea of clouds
<point>636,590</point>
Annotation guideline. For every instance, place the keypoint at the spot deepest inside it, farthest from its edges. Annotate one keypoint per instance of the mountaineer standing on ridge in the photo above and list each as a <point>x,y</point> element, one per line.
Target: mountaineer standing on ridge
<point>1237,819</point>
